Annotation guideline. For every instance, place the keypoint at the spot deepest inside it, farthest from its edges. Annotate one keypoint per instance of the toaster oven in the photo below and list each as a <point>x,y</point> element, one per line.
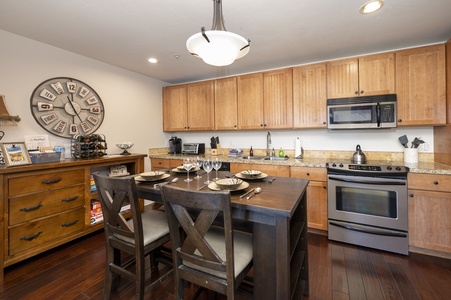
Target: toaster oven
<point>193,148</point>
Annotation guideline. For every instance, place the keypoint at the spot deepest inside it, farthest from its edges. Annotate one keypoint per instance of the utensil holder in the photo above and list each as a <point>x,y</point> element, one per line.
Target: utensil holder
<point>216,151</point>
<point>411,155</point>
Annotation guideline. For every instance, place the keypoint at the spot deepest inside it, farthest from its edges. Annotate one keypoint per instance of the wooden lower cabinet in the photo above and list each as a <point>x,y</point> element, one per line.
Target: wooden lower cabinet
<point>429,214</point>
<point>162,163</point>
<point>316,195</point>
<point>46,205</point>
<point>271,170</point>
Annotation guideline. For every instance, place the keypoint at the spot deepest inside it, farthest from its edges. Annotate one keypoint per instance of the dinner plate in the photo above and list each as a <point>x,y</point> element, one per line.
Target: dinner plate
<point>259,177</point>
<point>141,179</point>
<point>213,186</point>
<point>177,170</point>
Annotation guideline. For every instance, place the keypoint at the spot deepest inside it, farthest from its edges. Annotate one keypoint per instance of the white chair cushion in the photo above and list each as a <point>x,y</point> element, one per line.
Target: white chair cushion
<point>242,246</point>
<point>155,225</point>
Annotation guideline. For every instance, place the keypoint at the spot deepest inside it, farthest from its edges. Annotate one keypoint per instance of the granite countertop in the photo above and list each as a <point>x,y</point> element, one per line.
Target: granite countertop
<point>421,167</point>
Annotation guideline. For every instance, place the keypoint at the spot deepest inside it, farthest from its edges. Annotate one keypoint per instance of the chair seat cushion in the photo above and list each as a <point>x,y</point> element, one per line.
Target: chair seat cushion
<point>155,226</point>
<point>242,246</point>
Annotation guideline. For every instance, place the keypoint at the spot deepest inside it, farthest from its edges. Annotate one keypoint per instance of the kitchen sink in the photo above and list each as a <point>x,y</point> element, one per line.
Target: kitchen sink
<point>255,157</point>
<point>265,158</point>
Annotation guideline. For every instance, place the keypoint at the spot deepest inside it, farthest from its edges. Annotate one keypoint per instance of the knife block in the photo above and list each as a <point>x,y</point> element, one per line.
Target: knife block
<point>215,152</point>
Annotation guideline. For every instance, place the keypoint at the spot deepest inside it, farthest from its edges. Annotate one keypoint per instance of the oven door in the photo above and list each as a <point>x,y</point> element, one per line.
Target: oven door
<point>372,201</point>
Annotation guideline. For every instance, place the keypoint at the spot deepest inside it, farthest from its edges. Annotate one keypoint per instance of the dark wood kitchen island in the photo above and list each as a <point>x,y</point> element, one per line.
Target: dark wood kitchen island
<point>278,218</point>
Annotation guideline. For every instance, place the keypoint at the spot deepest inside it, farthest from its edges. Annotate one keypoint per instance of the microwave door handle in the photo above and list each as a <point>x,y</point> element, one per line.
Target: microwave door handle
<point>378,114</point>
<point>367,181</point>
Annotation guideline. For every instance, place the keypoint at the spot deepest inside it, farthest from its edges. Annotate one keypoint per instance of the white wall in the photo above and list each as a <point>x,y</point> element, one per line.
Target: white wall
<point>132,101</point>
<point>384,140</point>
<point>133,106</point>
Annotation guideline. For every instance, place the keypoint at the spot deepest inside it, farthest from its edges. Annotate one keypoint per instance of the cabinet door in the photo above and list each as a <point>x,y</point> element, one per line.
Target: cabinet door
<point>421,86</point>
<point>201,107</point>
<point>250,101</point>
<point>377,74</point>
<point>343,78</point>
<point>226,104</point>
<point>317,205</point>
<point>309,96</point>
<point>278,98</point>
<point>175,108</point>
<point>429,220</point>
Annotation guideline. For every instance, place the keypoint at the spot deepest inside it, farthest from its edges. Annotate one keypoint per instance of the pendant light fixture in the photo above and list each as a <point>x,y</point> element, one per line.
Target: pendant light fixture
<point>217,46</point>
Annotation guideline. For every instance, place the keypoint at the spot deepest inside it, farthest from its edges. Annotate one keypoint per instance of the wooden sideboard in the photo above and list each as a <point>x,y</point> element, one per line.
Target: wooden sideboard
<point>46,205</point>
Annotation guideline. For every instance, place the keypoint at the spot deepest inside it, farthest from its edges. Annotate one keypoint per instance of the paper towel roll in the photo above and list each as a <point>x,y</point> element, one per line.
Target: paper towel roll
<point>297,147</point>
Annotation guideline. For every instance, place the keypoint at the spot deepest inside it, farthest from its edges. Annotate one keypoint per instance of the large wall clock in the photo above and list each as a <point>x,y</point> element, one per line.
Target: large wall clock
<point>66,106</point>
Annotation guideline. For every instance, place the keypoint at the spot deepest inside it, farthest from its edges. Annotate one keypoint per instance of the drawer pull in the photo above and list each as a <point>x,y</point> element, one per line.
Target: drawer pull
<point>31,208</point>
<point>69,199</point>
<point>436,182</point>
<point>69,224</point>
<point>50,181</point>
<point>30,237</point>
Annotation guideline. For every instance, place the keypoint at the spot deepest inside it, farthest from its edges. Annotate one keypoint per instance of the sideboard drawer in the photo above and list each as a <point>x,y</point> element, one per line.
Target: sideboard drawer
<point>36,233</point>
<point>37,205</point>
<point>45,181</point>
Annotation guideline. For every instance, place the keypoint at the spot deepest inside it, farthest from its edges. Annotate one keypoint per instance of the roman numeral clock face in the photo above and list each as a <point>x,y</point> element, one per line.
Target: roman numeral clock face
<point>66,106</point>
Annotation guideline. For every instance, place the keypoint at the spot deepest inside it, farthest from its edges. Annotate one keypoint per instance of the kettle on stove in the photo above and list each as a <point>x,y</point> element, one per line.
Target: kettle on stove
<point>358,157</point>
<point>175,145</point>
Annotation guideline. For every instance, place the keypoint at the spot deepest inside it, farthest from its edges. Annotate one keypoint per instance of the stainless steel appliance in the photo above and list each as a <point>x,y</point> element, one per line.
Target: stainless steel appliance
<point>362,112</point>
<point>193,148</point>
<point>175,145</point>
<point>367,205</point>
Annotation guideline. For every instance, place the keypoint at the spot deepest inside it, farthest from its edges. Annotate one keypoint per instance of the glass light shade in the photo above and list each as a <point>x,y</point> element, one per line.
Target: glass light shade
<point>223,49</point>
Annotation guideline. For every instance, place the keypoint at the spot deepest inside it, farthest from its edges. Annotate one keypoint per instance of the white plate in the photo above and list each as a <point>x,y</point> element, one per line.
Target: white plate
<point>177,170</point>
<point>259,177</point>
<point>213,186</point>
<point>141,179</point>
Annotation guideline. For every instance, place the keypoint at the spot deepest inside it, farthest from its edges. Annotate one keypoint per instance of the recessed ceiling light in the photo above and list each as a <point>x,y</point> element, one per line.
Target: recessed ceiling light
<point>371,6</point>
<point>153,60</point>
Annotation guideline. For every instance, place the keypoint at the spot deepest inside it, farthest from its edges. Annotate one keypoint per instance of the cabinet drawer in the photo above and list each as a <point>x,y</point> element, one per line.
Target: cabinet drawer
<point>36,233</point>
<point>161,163</point>
<point>45,181</point>
<point>430,182</point>
<point>32,206</point>
<point>314,174</point>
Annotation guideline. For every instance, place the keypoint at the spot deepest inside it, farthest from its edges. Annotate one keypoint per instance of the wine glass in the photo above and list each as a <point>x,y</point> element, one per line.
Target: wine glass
<point>198,164</point>
<point>217,165</point>
<point>188,165</point>
<point>208,166</point>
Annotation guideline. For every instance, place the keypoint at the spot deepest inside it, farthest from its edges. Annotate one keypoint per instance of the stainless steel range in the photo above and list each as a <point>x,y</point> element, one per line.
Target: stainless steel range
<point>367,205</point>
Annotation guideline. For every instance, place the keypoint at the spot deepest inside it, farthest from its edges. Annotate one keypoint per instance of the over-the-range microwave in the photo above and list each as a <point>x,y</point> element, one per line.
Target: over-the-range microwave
<point>362,112</point>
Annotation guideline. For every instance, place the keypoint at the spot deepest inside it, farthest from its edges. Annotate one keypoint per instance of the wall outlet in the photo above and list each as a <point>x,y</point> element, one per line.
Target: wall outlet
<point>426,146</point>
<point>306,144</point>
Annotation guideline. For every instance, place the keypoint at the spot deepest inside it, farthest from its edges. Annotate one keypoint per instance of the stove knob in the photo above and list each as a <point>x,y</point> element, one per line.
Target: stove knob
<point>389,168</point>
<point>341,166</point>
<point>398,168</point>
<point>334,165</point>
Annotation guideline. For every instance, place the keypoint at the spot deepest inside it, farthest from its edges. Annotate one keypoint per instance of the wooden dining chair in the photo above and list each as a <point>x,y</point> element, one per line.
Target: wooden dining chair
<point>213,257</point>
<point>140,235</point>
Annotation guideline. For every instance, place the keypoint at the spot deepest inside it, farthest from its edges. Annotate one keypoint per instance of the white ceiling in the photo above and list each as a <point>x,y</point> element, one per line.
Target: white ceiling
<point>283,33</point>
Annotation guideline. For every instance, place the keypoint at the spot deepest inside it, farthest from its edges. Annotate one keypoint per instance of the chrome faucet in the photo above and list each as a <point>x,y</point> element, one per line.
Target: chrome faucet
<point>268,142</point>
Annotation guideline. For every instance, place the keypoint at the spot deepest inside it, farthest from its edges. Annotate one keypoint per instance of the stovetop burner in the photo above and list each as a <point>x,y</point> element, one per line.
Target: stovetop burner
<point>366,169</point>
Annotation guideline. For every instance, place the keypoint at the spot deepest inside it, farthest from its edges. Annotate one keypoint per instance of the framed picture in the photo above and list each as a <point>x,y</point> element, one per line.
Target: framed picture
<point>15,154</point>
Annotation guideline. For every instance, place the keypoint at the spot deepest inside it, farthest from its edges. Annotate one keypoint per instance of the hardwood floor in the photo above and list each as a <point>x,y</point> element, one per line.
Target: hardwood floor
<point>337,271</point>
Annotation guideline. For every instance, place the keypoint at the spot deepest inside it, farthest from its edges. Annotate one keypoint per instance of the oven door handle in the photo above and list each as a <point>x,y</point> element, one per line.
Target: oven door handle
<point>370,231</point>
<point>368,181</point>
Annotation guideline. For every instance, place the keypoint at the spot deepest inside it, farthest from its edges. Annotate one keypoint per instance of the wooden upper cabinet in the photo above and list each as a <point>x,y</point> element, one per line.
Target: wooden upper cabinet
<point>278,98</point>
<point>421,86</point>
<point>201,105</point>
<point>226,104</point>
<point>309,96</point>
<point>175,108</point>
<point>250,101</point>
<point>364,76</point>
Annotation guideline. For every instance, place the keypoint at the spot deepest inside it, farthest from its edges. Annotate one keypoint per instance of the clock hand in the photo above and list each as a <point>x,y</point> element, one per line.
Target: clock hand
<point>74,109</point>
